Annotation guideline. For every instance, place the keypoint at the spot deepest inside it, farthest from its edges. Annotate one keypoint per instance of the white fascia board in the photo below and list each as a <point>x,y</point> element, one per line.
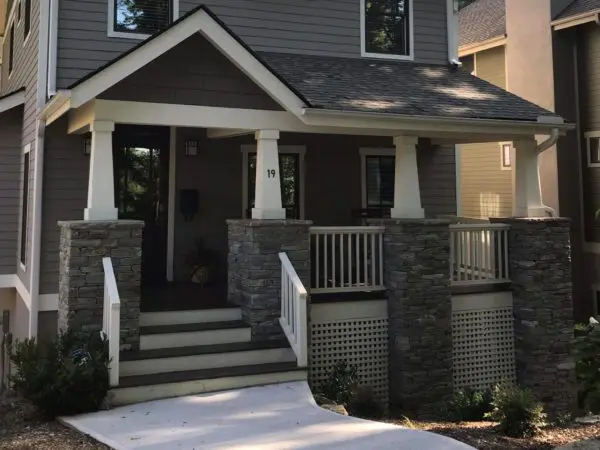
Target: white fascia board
<point>11,101</point>
<point>574,21</point>
<point>211,30</point>
<point>57,107</point>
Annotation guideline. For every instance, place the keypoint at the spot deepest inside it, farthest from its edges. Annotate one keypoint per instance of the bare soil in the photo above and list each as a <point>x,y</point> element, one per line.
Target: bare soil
<point>22,429</point>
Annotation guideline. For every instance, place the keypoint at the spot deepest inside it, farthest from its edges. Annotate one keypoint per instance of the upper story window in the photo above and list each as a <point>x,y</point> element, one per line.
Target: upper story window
<point>387,29</point>
<point>27,25</point>
<point>506,150</point>
<point>11,48</point>
<point>140,18</point>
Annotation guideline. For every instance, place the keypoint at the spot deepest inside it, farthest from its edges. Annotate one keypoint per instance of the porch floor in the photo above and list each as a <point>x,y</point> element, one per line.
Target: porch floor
<point>184,296</point>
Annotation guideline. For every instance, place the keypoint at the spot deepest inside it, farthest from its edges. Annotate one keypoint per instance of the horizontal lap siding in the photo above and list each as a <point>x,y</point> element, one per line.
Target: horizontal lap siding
<point>322,28</point>
<point>486,189</point>
<point>437,179</point>
<point>11,169</point>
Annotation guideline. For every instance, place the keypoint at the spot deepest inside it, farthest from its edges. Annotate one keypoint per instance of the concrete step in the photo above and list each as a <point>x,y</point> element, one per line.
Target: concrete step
<point>148,319</point>
<point>181,359</point>
<point>142,388</point>
<point>193,334</point>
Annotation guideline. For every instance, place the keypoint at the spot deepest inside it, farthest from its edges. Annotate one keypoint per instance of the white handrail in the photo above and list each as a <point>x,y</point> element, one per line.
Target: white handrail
<point>111,319</point>
<point>479,254</point>
<point>346,259</point>
<point>293,318</point>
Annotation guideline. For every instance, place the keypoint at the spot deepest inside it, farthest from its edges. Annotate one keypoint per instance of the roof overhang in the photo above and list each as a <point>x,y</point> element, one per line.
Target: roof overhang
<point>470,49</point>
<point>576,20</point>
<point>12,100</point>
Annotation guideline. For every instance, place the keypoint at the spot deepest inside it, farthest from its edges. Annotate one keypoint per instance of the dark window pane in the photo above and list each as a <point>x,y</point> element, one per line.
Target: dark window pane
<point>387,27</point>
<point>11,48</point>
<point>142,16</point>
<point>380,181</point>
<point>27,25</point>
<point>24,206</point>
<point>594,150</point>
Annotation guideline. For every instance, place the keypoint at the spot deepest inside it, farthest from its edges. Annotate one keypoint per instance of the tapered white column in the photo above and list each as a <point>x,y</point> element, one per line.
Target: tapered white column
<point>267,199</point>
<point>527,192</point>
<point>407,194</point>
<point>101,187</point>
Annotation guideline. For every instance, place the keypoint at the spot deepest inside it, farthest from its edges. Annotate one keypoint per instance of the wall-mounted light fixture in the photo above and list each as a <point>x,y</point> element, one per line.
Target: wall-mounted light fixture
<point>191,148</point>
<point>87,146</point>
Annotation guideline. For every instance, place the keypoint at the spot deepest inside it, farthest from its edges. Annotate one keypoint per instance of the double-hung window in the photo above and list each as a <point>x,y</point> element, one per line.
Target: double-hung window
<point>378,178</point>
<point>140,18</point>
<point>387,29</point>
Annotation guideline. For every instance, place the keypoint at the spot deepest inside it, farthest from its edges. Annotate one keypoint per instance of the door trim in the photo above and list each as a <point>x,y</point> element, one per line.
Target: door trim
<point>171,210</point>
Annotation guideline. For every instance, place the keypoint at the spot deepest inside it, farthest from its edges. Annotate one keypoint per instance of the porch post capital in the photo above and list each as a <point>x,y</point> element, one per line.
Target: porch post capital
<point>266,135</point>
<point>102,126</point>
<point>405,141</point>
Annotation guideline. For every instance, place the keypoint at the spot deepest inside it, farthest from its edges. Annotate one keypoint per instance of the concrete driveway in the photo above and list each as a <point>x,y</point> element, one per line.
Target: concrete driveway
<point>274,417</point>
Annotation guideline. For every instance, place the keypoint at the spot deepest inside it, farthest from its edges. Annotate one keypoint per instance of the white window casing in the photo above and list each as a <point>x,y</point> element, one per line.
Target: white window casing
<point>506,149</point>
<point>138,36</point>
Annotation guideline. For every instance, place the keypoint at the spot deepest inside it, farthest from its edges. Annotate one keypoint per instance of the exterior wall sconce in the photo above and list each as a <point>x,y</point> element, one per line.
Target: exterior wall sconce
<point>191,148</point>
<point>87,146</point>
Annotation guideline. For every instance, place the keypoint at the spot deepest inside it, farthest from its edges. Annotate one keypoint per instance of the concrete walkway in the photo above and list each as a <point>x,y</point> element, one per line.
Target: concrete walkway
<point>275,417</point>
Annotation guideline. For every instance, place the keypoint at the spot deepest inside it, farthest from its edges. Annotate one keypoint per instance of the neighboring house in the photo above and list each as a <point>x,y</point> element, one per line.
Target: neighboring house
<point>173,117</point>
<point>544,51</point>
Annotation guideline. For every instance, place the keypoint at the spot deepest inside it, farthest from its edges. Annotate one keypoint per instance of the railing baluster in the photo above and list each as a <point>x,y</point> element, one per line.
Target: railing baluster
<point>380,268</point>
<point>318,261</point>
<point>342,264</point>
<point>365,259</point>
<point>350,260</point>
<point>373,277</point>
<point>358,279</point>
<point>325,262</point>
<point>333,274</point>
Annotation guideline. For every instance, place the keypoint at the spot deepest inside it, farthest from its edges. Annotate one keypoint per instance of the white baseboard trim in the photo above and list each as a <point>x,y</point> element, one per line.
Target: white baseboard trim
<point>48,302</point>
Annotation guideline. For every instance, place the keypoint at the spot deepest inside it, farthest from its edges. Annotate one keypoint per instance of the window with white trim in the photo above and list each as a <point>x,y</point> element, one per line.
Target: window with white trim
<point>11,48</point>
<point>291,170</point>
<point>387,29</point>
<point>593,148</point>
<point>24,205</point>
<point>378,167</point>
<point>505,155</point>
<point>140,18</point>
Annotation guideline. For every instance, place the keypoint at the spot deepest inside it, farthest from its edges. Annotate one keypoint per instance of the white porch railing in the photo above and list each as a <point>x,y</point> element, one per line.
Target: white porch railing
<point>346,259</point>
<point>293,318</point>
<point>479,254</point>
<point>111,319</point>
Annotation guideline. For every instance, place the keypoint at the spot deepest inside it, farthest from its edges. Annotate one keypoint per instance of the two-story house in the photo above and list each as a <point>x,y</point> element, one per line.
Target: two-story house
<point>232,123</point>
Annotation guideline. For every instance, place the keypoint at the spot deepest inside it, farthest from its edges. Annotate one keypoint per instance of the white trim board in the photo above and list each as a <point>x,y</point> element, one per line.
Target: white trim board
<point>300,150</point>
<point>411,32</point>
<point>201,22</point>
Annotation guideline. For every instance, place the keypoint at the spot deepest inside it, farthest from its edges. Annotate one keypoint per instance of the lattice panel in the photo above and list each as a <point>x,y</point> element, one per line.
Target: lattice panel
<point>361,342</point>
<point>483,347</point>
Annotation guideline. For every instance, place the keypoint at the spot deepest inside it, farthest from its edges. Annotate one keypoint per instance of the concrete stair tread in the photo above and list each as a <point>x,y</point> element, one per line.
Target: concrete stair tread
<point>221,372</point>
<point>202,350</point>
<point>193,327</point>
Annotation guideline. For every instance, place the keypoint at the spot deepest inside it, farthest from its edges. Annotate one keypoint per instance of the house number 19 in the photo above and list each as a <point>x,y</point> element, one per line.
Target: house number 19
<point>271,173</point>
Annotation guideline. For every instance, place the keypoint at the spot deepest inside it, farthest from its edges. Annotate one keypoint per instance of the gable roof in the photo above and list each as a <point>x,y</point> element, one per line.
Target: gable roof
<point>481,21</point>
<point>578,7</point>
<point>395,87</point>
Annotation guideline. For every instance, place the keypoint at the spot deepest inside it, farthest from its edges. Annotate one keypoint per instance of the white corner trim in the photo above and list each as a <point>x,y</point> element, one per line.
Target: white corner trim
<point>48,302</point>
<point>411,26</point>
<point>201,22</point>
<point>172,199</point>
<point>587,135</point>
<point>452,26</point>
<point>12,101</point>
<point>300,150</point>
<point>52,48</point>
<point>364,152</point>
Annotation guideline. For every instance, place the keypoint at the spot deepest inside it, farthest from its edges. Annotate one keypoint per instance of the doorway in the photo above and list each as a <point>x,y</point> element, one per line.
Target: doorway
<point>141,163</point>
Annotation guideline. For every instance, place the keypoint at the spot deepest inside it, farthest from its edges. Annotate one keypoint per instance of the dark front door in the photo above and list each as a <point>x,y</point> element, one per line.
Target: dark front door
<point>141,161</point>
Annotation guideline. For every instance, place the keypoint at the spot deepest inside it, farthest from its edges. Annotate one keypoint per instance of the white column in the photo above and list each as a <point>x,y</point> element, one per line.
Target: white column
<point>101,188</point>
<point>527,192</point>
<point>407,194</point>
<point>267,199</point>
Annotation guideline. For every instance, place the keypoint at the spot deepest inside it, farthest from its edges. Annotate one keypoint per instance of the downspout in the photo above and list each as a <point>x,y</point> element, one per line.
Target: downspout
<point>52,48</point>
<point>542,147</point>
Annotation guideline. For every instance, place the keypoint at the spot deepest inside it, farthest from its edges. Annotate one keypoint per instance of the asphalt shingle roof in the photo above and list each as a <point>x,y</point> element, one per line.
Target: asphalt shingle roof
<point>578,7</point>
<point>482,20</point>
<point>396,87</point>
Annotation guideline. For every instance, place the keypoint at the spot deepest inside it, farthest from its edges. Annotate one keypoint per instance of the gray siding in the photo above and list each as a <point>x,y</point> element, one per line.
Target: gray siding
<point>11,168</point>
<point>66,170</point>
<point>180,77</point>
<point>325,28</point>
<point>25,75</point>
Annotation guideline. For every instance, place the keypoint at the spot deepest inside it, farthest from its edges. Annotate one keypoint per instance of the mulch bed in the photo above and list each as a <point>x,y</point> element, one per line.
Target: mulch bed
<point>482,435</point>
<point>22,429</point>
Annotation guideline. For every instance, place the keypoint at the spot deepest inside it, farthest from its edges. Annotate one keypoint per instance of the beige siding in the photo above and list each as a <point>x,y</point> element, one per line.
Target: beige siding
<point>486,189</point>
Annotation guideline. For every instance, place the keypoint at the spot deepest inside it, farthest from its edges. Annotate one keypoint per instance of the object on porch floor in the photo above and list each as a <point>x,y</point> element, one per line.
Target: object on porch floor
<point>202,262</point>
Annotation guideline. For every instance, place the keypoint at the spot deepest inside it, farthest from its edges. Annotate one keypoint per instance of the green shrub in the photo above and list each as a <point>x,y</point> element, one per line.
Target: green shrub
<point>468,405</point>
<point>517,410</point>
<point>586,352</point>
<point>342,383</point>
<point>66,375</point>
<point>364,404</point>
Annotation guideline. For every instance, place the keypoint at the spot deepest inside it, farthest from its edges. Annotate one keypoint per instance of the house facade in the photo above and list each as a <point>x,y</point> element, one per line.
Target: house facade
<point>187,177</point>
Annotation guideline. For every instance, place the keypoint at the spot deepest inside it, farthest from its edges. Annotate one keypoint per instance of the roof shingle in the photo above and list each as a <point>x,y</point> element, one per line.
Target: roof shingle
<point>578,7</point>
<point>481,21</point>
<point>395,87</point>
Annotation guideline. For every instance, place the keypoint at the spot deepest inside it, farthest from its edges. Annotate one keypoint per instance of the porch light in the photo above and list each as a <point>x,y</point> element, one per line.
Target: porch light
<point>87,146</point>
<point>191,148</point>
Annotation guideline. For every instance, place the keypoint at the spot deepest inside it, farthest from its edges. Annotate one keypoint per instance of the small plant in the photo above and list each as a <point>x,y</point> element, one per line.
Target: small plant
<point>66,375</point>
<point>469,405</point>
<point>586,351</point>
<point>342,383</point>
<point>517,410</point>
<point>364,404</point>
